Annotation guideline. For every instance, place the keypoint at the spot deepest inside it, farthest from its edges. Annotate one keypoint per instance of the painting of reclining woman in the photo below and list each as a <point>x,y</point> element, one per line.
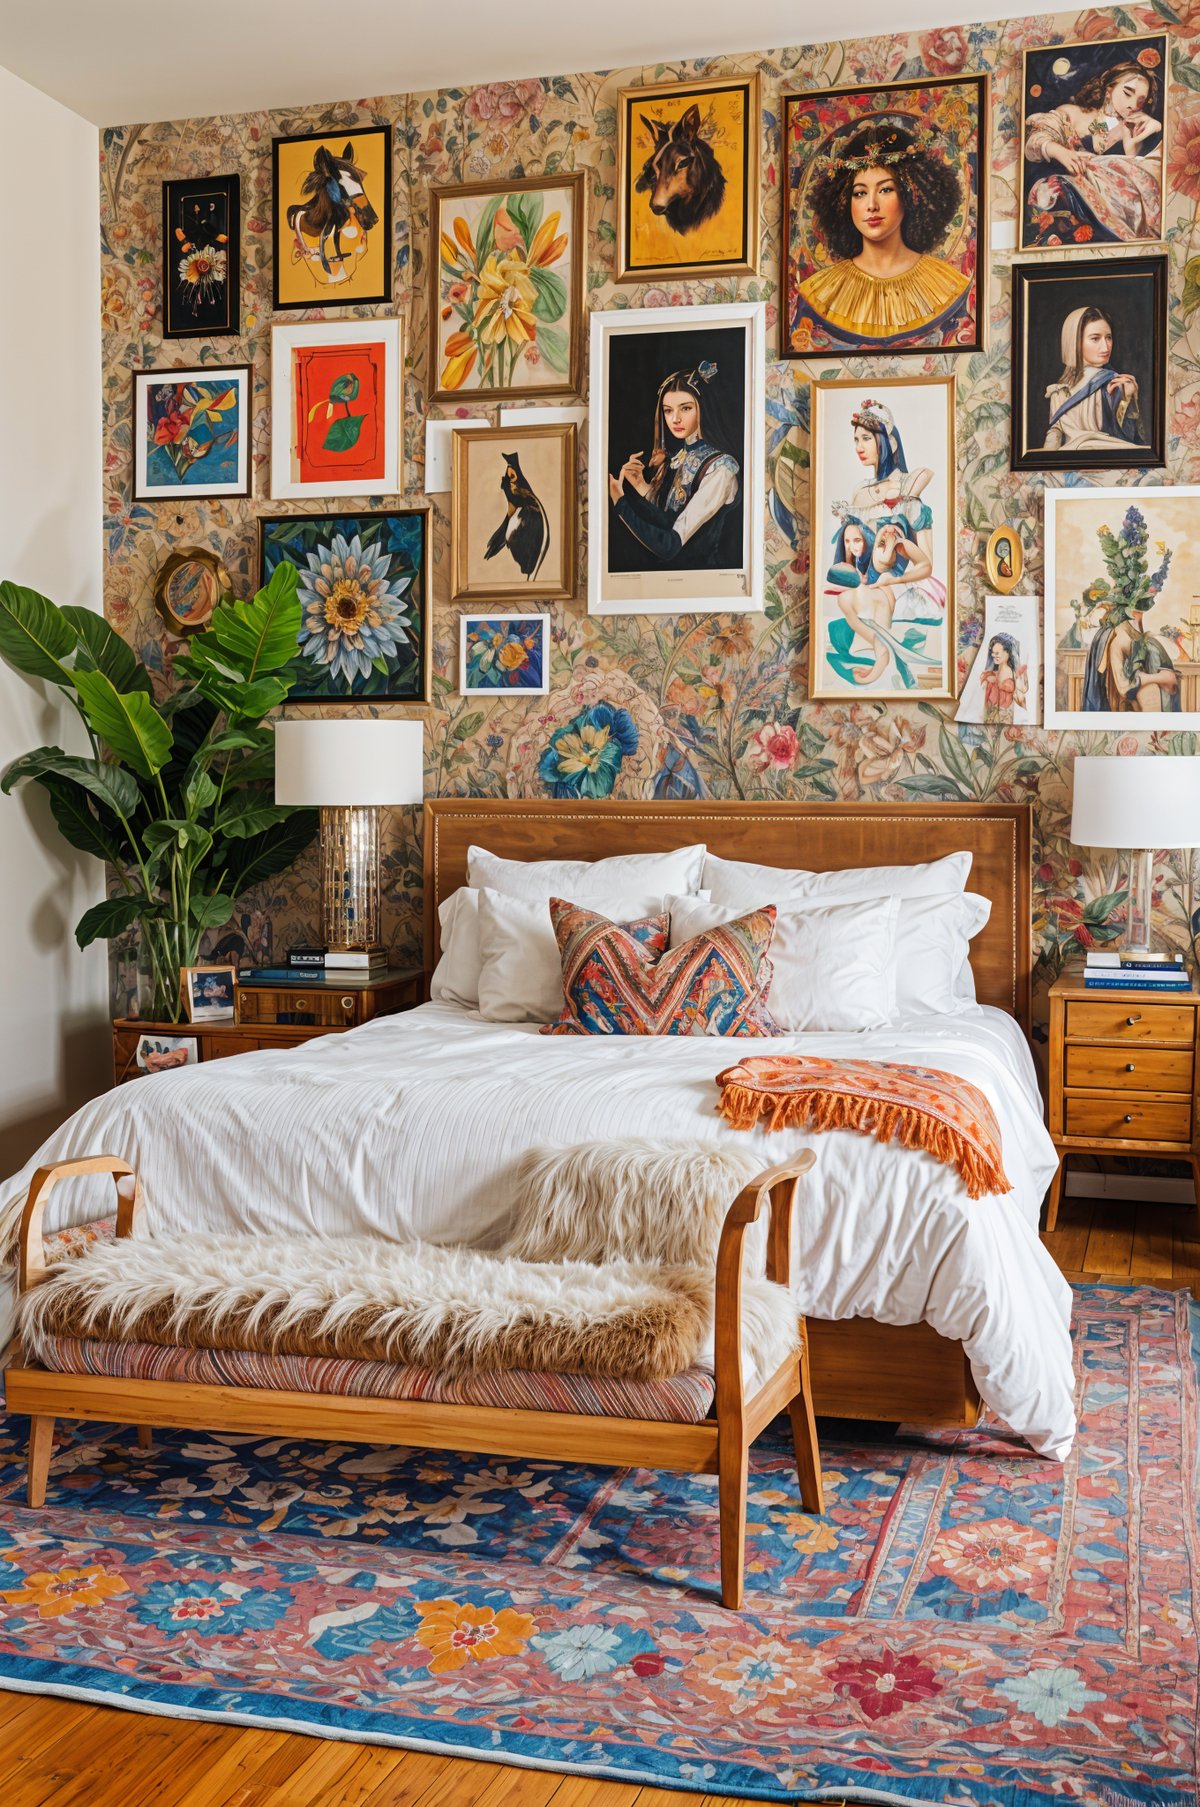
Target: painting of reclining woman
<point>883,539</point>
<point>1122,572</point>
<point>1092,144</point>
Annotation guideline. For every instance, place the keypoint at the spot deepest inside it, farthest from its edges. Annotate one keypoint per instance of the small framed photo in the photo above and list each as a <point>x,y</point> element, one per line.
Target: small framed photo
<point>1089,365</point>
<point>513,505</point>
<point>332,194</point>
<point>159,1053</point>
<point>687,179</point>
<point>504,655</point>
<point>1004,559</point>
<point>201,279</point>
<point>336,404</point>
<point>507,288</point>
<point>191,432</point>
<point>1093,144</point>
<point>209,993</point>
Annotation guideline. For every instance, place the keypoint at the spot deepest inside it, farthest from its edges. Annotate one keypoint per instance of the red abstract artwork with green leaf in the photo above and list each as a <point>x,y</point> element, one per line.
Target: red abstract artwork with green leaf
<point>339,400</point>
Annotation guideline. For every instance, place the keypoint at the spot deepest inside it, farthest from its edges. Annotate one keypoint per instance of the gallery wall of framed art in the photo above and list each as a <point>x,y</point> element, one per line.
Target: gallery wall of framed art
<point>1021,175</point>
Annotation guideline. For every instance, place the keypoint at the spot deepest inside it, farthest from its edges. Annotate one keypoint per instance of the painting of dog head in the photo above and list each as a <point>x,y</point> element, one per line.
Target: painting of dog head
<point>688,181</point>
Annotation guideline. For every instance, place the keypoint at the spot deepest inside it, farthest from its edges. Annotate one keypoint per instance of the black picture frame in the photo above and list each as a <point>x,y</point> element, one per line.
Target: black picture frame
<point>1132,294</point>
<point>188,312</point>
<point>329,298</point>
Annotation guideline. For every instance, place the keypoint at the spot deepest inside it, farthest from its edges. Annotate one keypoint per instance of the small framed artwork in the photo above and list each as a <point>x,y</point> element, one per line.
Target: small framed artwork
<point>364,593</point>
<point>514,511</point>
<point>332,194</point>
<point>191,432</point>
<point>676,440</point>
<point>688,179</point>
<point>1089,365</point>
<point>507,288</point>
<point>1001,688</point>
<point>336,407</point>
<point>201,235</point>
<point>1122,630</point>
<point>159,1053</point>
<point>504,655</point>
<point>885,234</point>
<point>187,588</point>
<point>1004,559</point>
<point>209,993</point>
<point>1093,144</point>
<point>883,539</point>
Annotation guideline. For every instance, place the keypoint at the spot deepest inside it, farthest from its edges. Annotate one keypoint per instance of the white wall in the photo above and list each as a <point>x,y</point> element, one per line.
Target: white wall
<point>54,1046</point>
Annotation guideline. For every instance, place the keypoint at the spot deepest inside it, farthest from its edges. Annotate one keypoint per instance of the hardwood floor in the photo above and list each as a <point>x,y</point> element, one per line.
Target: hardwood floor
<point>58,1753</point>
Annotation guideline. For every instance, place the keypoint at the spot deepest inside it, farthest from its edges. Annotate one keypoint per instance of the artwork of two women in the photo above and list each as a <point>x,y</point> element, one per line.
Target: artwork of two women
<point>1092,143</point>
<point>679,502</point>
<point>883,218</point>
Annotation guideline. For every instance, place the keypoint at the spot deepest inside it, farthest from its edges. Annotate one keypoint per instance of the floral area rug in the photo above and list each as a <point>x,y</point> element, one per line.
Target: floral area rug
<point>967,1624</point>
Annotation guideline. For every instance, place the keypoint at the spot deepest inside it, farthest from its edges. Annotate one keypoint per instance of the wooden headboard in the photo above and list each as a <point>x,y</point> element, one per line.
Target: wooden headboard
<point>821,837</point>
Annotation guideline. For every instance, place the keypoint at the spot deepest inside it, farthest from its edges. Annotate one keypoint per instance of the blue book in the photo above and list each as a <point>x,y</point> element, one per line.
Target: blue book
<point>1183,983</point>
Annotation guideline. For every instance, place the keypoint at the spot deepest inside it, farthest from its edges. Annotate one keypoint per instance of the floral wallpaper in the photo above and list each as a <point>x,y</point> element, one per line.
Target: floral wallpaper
<point>693,705</point>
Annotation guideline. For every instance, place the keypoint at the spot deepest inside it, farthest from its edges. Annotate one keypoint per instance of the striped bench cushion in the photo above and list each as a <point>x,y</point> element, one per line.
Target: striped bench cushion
<point>682,1399</point>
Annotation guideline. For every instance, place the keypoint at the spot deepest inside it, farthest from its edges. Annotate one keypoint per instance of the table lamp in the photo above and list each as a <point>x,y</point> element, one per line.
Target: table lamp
<point>1139,805</point>
<point>348,768</point>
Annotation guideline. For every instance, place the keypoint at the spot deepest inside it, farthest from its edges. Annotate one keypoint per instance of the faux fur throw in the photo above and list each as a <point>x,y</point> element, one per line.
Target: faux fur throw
<point>919,1107</point>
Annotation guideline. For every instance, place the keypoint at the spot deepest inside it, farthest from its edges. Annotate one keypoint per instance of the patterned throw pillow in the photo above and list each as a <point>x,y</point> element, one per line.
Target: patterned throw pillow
<point>619,981</point>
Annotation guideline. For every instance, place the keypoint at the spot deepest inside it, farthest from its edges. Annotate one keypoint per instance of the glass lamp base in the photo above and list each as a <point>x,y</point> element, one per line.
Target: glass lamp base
<point>1139,903</point>
<point>349,852</point>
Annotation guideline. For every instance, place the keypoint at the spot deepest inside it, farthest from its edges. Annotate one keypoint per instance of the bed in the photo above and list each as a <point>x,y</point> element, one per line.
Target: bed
<point>920,1302</point>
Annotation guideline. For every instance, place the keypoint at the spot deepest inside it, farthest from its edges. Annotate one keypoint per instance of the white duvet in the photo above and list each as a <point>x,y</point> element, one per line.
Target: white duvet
<point>412,1126</point>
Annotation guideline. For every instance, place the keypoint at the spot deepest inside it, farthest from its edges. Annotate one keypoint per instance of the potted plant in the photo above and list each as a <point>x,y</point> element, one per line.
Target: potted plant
<point>177,796</point>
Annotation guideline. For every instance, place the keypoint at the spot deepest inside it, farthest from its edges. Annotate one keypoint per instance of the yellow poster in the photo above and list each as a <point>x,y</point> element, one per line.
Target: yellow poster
<point>333,218</point>
<point>689,181</point>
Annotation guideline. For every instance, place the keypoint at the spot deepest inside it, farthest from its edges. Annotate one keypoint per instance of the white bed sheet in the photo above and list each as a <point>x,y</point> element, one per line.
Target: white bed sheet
<point>412,1126</point>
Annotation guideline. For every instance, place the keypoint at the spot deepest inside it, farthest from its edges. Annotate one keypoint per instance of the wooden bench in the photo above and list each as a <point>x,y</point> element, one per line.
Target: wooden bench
<point>718,1444</point>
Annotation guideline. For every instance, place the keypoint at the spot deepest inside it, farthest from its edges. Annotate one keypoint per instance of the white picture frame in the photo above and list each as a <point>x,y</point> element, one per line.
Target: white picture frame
<point>521,628</point>
<point>640,347</point>
<point>304,367</point>
<point>178,442</point>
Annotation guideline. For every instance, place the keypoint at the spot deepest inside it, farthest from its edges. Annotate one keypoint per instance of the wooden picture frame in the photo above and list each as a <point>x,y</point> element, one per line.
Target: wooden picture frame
<point>693,149</point>
<point>312,238</point>
<point>873,635</point>
<point>830,304</point>
<point>183,449</point>
<point>505,654</point>
<point>514,501</point>
<point>192,980</point>
<point>337,403</point>
<point>201,258</point>
<point>1110,199</point>
<point>380,649</point>
<point>542,355</point>
<point>1067,414</point>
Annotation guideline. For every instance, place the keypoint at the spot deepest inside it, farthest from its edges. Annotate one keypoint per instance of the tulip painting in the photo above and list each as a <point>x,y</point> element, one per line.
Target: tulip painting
<point>191,433</point>
<point>508,288</point>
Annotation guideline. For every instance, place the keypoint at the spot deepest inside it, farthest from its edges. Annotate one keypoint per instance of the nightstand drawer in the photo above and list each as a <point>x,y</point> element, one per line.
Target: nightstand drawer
<point>304,1004</point>
<point>1135,1022</point>
<point>1140,1069</point>
<point>1129,1119</point>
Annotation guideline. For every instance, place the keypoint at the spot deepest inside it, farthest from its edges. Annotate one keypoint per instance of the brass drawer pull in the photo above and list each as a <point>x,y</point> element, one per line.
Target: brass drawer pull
<point>1131,1020</point>
<point>1129,1119</point>
<point>301,1003</point>
<point>1129,1067</point>
<point>347,1003</point>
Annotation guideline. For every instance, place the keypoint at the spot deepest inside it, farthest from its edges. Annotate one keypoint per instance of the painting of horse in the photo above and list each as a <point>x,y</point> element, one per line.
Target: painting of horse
<point>688,180</point>
<point>333,218</point>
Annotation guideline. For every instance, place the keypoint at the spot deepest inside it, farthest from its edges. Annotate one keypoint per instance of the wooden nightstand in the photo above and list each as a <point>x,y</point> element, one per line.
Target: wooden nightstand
<point>280,1016</point>
<point>1122,1075</point>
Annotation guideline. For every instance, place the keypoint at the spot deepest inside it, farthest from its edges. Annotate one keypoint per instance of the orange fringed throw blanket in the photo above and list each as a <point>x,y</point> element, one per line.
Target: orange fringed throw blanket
<point>919,1107</point>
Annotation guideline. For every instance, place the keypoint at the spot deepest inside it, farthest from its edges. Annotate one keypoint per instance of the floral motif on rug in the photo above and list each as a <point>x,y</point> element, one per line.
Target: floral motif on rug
<point>968,1623</point>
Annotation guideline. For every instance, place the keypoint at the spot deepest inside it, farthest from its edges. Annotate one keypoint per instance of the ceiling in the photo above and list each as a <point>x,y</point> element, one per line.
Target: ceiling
<point>134,61</point>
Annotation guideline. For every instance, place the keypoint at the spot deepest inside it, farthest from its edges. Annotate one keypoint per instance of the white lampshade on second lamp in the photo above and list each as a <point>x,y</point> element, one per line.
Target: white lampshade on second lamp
<point>1140,805</point>
<point>349,768</point>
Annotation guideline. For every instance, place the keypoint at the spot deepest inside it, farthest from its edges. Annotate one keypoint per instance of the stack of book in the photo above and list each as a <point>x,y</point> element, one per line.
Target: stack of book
<point>336,960</point>
<point>1136,972</point>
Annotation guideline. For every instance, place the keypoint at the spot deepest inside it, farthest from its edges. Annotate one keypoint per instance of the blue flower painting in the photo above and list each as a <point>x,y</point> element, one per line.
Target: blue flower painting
<point>585,756</point>
<point>505,654</point>
<point>364,628</point>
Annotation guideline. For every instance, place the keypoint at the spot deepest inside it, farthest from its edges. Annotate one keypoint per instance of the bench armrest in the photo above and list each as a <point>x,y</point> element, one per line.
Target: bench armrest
<point>32,1253</point>
<point>780,1184</point>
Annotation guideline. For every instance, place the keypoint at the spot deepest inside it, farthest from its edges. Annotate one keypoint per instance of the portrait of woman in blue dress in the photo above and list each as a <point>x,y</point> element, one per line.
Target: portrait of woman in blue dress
<point>677,500</point>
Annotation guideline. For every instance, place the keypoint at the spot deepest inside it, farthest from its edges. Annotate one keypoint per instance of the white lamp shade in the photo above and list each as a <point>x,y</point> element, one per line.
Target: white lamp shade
<point>349,762</point>
<point>1136,803</point>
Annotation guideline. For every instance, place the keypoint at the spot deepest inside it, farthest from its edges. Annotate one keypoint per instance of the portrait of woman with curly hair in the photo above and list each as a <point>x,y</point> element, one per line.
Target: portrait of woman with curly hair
<point>883,215</point>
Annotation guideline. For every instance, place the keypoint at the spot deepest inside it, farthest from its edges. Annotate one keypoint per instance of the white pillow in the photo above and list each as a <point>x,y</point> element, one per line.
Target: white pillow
<point>835,964</point>
<point>746,885</point>
<point>520,974</point>
<point>456,976</point>
<point>675,874</point>
<point>933,953</point>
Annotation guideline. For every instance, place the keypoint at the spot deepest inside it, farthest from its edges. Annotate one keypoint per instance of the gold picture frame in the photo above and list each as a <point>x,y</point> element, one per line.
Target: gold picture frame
<point>666,136</point>
<point>875,632</point>
<point>1004,573</point>
<point>514,499</point>
<point>188,585</point>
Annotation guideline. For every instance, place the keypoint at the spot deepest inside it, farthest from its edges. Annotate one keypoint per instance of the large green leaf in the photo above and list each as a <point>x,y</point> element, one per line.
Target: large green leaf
<point>81,824</point>
<point>113,786</point>
<point>224,686</point>
<point>249,862</point>
<point>104,921</point>
<point>175,835</point>
<point>101,648</point>
<point>342,437</point>
<point>34,637</point>
<point>260,635</point>
<point>199,792</point>
<point>212,911</point>
<point>525,210</point>
<point>249,814</point>
<point>551,303</point>
<point>129,724</point>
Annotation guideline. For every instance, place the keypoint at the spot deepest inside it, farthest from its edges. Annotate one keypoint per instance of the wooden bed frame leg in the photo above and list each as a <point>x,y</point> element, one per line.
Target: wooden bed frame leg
<point>1056,1186</point>
<point>804,1441</point>
<point>144,1437</point>
<point>733,1457</point>
<point>41,1448</point>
